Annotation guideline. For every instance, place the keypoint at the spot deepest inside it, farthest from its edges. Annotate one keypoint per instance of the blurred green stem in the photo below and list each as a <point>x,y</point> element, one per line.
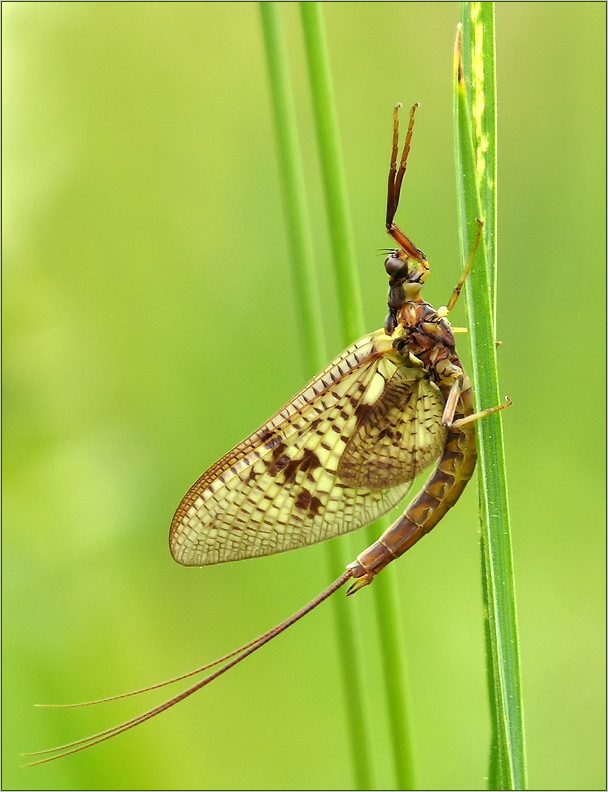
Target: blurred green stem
<point>384,591</point>
<point>307,298</point>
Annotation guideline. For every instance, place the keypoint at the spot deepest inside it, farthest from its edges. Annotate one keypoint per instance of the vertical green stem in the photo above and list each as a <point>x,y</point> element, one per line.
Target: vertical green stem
<point>334,181</point>
<point>292,174</point>
<point>384,591</point>
<point>476,170</point>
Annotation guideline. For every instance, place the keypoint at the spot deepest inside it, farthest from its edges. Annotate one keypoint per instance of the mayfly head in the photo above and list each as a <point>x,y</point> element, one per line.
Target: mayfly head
<point>406,278</point>
<point>411,272</point>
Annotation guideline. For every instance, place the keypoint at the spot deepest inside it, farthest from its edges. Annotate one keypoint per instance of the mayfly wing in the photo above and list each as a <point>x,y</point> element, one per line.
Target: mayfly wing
<point>339,455</point>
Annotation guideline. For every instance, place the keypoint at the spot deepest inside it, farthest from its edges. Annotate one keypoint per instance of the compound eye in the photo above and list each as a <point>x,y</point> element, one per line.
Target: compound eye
<point>395,267</point>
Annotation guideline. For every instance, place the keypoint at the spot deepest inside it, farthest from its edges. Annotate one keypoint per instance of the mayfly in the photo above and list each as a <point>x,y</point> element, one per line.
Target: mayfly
<point>341,453</point>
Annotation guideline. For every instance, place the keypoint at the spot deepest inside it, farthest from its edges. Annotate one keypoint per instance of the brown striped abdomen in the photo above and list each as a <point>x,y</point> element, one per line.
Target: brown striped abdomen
<point>439,493</point>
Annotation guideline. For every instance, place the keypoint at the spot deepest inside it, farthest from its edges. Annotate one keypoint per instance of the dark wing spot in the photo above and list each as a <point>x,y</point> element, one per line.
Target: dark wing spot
<point>303,500</point>
<point>310,460</point>
<point>291,470</point>
<point>308,503</point>
<point>278,450</point>
<point>315,507</point>
<point>279,463</point>
<point>306,462</point>
<point>271,439</point>
<point>362,412</point>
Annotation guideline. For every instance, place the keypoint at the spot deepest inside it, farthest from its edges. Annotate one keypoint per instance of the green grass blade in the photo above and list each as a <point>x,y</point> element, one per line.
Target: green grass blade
<point>292,174</point>
<point>332,170</point>
<point>384,592</point>
<point>476,170</point>
<point>481,97</point>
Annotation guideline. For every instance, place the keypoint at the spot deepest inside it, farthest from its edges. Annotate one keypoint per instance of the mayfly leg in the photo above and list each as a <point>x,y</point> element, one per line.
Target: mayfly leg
<point>395,179</point>
<point>444,310</point>
<point>460,422</point>
<point>467,268</point>
<point>452,403</point>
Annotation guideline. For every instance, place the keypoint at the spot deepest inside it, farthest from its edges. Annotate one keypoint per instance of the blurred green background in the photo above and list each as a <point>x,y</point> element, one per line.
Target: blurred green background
<point>149,326</point>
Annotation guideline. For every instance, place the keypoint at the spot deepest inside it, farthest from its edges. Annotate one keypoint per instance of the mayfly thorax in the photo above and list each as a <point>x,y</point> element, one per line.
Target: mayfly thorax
<point>341,453</point>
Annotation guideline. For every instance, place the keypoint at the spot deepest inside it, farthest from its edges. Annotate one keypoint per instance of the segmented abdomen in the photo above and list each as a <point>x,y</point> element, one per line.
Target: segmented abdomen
<point>439,493</point>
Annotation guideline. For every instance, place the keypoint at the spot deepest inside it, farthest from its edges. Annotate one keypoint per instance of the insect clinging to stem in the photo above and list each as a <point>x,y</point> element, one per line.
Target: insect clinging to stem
<point>341,453</point>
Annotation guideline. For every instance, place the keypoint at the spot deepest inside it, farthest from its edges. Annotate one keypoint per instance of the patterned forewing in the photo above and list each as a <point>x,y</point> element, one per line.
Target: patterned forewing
<point>280,488</point>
